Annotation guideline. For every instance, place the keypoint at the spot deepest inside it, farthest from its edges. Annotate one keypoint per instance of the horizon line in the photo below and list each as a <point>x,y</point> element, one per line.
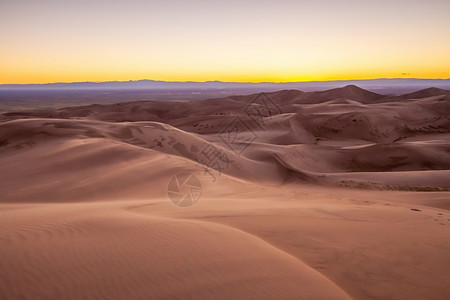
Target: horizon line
<point>208,81</point>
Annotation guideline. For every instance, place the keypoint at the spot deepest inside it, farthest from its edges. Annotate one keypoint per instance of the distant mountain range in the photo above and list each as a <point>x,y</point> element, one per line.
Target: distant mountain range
<point>371,84</point>
<point>45,99</point>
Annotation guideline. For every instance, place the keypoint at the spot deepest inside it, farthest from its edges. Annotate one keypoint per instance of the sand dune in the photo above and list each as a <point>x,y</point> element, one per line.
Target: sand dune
<point>304,195</point>
<point>104,251</point>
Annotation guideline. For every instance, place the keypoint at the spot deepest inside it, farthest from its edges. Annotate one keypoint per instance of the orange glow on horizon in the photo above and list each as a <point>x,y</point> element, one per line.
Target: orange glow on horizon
<point>39,79</point>
<point>242,41</point>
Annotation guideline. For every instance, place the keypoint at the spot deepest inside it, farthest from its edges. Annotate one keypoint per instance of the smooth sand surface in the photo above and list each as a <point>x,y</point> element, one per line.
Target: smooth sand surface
<point>331,195</point>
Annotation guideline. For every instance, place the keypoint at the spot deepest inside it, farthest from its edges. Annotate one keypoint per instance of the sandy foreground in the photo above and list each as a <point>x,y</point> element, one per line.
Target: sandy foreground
<point>335,195</point>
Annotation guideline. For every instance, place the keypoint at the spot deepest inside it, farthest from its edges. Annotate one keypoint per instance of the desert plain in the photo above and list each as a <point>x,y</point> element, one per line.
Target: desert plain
<point>336,194</point>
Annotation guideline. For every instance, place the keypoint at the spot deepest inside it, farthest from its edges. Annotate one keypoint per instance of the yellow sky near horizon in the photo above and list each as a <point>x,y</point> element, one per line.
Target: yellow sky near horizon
<point>251,41</point>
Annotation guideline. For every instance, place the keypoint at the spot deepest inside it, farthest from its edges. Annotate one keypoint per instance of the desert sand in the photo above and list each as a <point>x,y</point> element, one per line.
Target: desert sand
<point>338,194</point>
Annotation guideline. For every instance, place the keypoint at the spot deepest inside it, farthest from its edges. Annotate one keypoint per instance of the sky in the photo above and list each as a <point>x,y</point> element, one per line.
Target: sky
<point>246,40</point>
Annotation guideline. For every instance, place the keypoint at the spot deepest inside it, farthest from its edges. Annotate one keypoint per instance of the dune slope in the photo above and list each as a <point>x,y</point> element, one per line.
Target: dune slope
<point>322,195</point>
